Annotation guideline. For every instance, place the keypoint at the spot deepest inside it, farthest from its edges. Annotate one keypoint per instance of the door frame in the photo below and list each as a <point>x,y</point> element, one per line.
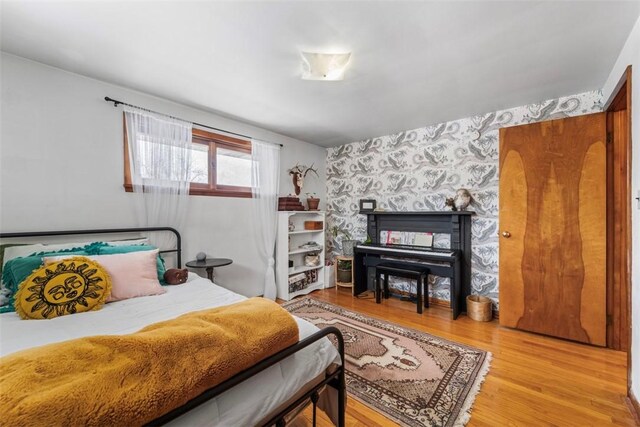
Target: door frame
<point>620,99</point>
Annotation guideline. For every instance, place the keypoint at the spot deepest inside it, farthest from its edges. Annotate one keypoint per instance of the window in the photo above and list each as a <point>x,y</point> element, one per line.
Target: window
<point>220,165</point>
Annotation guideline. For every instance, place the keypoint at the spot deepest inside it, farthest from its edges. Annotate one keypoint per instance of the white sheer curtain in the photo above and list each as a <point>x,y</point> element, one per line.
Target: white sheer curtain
<point>265,182</point>
<point>160,164</point>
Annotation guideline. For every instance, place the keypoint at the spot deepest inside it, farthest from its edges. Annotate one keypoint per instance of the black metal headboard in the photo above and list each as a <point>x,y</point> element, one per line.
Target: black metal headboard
<point>177,250</point>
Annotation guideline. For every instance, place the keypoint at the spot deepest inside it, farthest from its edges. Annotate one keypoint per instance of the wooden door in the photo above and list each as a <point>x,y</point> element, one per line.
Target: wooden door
<point>553,228</point>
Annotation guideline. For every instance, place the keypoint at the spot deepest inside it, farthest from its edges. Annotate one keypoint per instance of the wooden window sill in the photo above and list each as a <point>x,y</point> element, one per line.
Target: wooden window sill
<point>206,192</point>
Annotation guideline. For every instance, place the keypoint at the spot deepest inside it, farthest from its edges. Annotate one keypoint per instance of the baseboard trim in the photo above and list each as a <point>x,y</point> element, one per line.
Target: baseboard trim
<point>634,406</point>
<point>435,301</point>
<point>438,302</point>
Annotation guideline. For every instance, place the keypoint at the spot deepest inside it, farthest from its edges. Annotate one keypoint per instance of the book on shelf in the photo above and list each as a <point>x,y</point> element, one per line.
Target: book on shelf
<point>290,208</point>
<point>301,281</point>
<point>290,204</point>
<point>297,277</point>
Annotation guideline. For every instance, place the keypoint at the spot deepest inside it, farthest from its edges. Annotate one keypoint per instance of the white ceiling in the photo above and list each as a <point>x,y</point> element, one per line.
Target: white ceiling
<point>413,63</point>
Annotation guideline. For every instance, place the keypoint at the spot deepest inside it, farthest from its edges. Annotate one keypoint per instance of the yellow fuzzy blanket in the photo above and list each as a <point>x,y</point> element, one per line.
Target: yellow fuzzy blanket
<point>133,379</point>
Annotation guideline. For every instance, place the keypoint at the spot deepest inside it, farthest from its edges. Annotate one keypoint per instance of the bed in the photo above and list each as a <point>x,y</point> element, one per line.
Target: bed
<point>310,371</point>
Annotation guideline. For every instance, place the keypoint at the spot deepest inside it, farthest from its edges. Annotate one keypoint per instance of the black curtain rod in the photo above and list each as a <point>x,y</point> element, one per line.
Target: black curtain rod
<point>116,103</point>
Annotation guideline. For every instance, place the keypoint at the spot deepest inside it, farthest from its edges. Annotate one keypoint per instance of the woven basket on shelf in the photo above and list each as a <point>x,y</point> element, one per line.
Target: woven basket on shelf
<point>479,308</point>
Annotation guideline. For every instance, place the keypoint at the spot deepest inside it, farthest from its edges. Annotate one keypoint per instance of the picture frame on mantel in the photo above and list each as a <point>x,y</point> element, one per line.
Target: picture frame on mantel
<point>367,205</point>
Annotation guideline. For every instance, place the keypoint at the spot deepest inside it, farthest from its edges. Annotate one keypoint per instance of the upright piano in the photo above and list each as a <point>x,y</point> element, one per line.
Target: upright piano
<point>453,262</point>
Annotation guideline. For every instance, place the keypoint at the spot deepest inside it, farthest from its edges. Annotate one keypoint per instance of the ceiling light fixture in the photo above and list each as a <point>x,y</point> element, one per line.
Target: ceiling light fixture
<point>324,66</point>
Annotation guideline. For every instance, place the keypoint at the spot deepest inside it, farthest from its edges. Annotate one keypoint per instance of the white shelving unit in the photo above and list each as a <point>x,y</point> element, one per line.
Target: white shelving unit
<point>305,231</point>
<point>288,248</point>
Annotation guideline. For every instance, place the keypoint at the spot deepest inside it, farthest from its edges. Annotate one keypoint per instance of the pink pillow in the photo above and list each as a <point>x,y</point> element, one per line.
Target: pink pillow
<point>132,274</point>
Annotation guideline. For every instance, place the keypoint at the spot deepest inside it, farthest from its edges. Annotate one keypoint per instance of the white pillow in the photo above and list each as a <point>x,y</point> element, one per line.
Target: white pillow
<point>133,274</point>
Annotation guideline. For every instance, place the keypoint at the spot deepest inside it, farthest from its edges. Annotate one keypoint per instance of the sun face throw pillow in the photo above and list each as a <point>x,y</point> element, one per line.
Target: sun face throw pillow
<point>70,286</point>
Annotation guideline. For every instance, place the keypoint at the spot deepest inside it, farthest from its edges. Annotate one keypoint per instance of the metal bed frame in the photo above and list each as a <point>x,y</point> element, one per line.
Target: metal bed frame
<point>335,379</point>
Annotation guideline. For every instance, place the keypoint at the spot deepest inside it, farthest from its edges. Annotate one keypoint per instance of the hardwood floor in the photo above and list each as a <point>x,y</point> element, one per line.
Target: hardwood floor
<point>533,380</point>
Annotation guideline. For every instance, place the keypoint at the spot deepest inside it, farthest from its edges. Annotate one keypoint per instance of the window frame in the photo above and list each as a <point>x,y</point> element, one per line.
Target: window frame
<point>213,141</point>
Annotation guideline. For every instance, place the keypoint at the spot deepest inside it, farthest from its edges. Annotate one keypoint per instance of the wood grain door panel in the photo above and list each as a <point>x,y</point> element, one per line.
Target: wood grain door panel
<point>553,205</point>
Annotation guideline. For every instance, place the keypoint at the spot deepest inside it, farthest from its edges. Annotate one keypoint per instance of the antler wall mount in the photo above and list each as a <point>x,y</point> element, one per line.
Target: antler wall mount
<point>298,174</point>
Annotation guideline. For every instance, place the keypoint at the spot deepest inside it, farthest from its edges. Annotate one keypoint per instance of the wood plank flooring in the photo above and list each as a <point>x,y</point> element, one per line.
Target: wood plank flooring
<point>533,380</point>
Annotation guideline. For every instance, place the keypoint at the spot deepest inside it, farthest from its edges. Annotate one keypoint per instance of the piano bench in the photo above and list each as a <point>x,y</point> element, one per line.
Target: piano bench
<point>409,272</point>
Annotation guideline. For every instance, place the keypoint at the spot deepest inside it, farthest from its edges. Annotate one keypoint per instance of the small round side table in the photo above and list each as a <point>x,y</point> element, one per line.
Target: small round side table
<point>209,264</point>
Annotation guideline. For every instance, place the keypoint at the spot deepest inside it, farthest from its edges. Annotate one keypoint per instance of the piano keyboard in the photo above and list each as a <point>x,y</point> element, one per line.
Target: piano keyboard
<point>398,249</point>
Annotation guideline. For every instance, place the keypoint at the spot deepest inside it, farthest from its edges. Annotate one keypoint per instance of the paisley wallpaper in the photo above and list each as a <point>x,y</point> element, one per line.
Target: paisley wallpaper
<point>418,169</point>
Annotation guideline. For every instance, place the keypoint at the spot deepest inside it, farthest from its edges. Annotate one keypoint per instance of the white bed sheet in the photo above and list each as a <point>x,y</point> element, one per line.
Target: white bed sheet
<point>244,405</point>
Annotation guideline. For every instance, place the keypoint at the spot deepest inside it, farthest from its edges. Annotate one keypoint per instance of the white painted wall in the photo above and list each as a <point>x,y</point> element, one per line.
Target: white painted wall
<point>61,166</point>
<point>630,55</point>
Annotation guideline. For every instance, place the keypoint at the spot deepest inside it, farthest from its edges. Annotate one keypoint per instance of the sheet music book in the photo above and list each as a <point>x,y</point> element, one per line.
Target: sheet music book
<point>407,238</point>
<point>423,239</point>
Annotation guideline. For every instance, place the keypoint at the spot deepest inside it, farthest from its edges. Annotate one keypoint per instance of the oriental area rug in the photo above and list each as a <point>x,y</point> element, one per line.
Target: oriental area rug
<point>411,377</point>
